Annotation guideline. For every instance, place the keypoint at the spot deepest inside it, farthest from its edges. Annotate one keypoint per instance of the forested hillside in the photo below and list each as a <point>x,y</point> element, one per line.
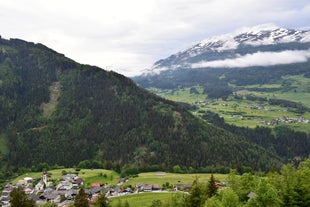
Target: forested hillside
<point>56,111</point>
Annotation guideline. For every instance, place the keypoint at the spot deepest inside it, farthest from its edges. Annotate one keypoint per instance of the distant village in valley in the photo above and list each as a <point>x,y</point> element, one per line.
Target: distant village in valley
<point>64,191</point>
<point>283,119</point>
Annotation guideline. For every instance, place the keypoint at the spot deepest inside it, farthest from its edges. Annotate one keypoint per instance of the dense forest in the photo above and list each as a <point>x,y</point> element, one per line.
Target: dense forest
<point>58,112</point>
<point>289,144</point>
<point>219,82</point>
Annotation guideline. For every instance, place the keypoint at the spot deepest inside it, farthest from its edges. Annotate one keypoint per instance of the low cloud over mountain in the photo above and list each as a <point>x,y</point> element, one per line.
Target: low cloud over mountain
<point>258,59</point>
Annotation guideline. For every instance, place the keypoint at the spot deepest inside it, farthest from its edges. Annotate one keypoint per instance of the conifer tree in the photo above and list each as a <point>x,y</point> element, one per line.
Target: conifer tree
<point>81,199</point>
<point>212,189</point>
<point>102,201</point>
<point>19,199</point>
<point>196,198</point>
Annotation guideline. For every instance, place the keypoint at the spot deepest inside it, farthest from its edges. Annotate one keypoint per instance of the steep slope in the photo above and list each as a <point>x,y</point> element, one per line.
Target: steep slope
<point>98,115</point>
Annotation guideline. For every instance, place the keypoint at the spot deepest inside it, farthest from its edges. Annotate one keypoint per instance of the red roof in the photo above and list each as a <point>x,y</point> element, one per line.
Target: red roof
<point>95,185</point>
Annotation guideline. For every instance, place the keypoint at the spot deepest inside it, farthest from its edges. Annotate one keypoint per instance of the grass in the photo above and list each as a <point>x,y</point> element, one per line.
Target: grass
<point>142,199</point>
<point>173,178</point>
<point>99,176</point>
<point>181,95</point>
<point>243,112</point>
<point>89,176</point>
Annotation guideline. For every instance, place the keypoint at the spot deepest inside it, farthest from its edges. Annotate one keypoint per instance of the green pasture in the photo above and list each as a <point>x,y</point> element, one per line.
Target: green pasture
<point>143,199</point>
<point>89,175</point>
<point>250,113</point>
<point>172,178</point>
<point>99,176</point>
<point>180,95</point>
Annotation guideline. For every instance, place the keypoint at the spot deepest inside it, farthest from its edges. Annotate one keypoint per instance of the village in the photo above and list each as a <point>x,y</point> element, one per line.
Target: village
<point>43,190</point>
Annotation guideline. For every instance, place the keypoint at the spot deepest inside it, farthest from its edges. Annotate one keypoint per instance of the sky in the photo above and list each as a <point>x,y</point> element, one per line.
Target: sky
<point>128,36</point>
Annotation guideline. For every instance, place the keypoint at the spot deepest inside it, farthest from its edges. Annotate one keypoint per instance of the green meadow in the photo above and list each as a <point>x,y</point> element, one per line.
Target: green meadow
<point>251,113</point>
<point>172,178</point>
<point>89,175</point>
<point>143,199</point>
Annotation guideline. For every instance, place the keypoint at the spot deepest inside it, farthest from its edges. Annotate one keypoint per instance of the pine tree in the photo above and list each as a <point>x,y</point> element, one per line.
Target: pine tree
<point>19,199</point>
<point>196,198</point>
<point>102,201</point>
<point>212,189</point>
<point>81,199</point>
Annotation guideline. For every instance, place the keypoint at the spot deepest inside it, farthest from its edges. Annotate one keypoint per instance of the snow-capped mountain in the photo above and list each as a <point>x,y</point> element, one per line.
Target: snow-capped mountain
<point>247,45</point>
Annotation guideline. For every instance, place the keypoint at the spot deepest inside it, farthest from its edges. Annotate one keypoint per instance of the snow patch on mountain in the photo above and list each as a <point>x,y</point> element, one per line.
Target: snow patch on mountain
<point>217,48</point>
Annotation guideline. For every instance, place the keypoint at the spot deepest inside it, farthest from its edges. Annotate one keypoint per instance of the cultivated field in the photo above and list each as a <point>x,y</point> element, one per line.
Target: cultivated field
<point>251,113</point>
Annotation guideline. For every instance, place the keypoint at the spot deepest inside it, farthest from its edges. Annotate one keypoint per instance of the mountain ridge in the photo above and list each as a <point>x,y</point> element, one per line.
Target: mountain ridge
<point>103,117</point>
<point>211,48</point>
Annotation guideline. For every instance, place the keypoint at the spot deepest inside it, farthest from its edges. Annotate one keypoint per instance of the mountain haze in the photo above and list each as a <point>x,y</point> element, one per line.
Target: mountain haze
<point>59,112</point>
<point>257,55</point>
<point>211,52</point>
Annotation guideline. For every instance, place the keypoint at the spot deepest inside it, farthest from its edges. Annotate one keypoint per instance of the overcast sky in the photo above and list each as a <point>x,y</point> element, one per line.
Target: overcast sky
<point>128,36</point>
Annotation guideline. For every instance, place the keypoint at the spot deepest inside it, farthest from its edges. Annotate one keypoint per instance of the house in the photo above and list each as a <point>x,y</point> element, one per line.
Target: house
<point>52,196</point>
<point>93,190</point>
<point>28,181</point>
<point>64,185</point>
<point>156,187</point>
<point>219,185</point>
<point>121,181</point>
<point>78,182</point>
<point>69,177</point>
<point>71,194</point>
<point>182,187</point>
<point>150,187</point>
<point>95,185</point>
<point>147,187</point>
<point>112,191</point>
<point>28,190</point>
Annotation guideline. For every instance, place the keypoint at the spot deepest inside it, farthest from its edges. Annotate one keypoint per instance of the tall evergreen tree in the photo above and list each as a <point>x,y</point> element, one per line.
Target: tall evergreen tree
<point>212,189</point>
<point>81,199</point>
<point>102,201</point>
<point>197,197</point>
<point>19,199</point>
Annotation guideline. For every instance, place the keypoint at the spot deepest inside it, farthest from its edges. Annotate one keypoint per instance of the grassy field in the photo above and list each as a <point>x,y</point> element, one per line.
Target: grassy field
<point>251,113</point>
<point>173,178</point>
<point>89,176</point>
<point>100,176</point>
<point>143,199</point>
<point>181,95</point>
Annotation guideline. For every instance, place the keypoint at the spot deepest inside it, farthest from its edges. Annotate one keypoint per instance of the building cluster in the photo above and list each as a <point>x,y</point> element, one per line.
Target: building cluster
<point>288,120</point>
<point>66,189</point>
<point>42,190</point>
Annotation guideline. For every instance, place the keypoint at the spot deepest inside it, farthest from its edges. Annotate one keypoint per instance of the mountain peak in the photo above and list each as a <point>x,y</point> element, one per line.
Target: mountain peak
<point>230,45</point>
<point>258,28</point>
<point>264,34</point>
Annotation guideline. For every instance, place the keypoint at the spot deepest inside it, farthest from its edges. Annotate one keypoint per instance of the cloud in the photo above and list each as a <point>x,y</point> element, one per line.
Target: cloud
<point>132,35</point>
<point>259,59</point>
